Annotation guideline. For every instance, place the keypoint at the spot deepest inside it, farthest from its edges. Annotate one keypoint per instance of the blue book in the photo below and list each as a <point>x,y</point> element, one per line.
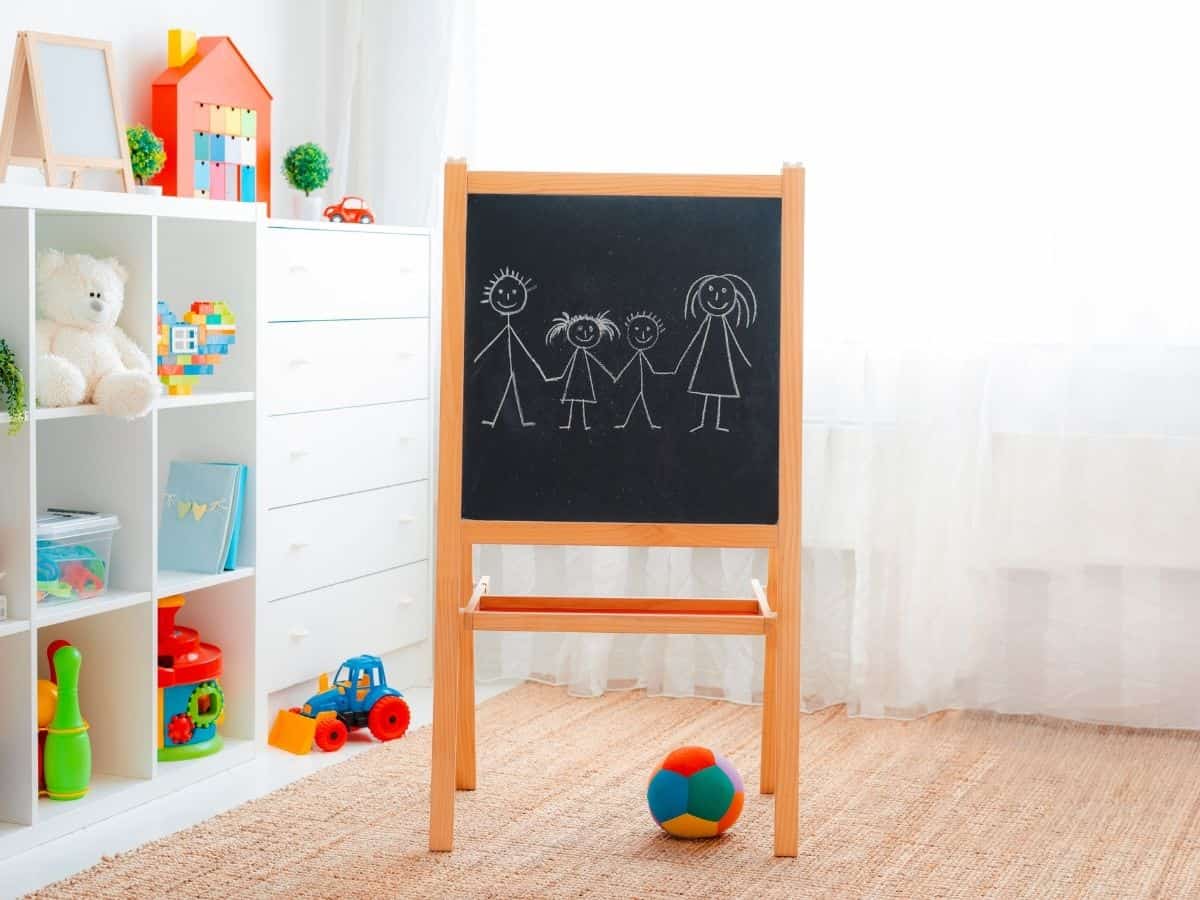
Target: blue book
<point>235,528</point>
<point>197,516</point>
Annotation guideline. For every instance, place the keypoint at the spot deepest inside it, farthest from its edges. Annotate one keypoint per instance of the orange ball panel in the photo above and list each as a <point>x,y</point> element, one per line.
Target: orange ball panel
<point>687,761</point>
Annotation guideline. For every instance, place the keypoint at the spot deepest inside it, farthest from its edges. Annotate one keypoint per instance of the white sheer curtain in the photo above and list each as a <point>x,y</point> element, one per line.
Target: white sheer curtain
<point>1002,452</point>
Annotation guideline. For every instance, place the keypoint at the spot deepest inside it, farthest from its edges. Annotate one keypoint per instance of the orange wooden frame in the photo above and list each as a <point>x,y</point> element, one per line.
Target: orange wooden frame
<point>464,606</point>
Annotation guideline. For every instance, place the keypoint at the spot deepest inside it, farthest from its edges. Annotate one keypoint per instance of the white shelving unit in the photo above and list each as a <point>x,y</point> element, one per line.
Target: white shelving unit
<point>177,250</point>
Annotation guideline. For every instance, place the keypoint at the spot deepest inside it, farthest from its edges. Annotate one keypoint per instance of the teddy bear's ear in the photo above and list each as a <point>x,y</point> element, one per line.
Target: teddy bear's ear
<point>116,266</point>
<point>48,262</point>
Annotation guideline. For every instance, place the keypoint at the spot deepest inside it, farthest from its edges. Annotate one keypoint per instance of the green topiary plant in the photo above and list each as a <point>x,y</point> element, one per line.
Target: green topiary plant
<point>146,154</point>
<point>12,386</point>
<point>306,168</point>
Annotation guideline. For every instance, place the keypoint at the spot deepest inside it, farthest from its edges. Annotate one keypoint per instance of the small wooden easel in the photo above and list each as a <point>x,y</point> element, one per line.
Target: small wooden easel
<point>463,604</point>
<point>62,111</point>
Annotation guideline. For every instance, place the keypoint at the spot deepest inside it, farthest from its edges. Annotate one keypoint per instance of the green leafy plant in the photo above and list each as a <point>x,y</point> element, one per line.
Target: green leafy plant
<point>146,154</point>
<point>306,168</point>
<point>12,386</point>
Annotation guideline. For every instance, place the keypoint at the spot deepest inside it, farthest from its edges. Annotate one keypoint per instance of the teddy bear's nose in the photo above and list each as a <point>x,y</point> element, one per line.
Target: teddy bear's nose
<point>97,305</point>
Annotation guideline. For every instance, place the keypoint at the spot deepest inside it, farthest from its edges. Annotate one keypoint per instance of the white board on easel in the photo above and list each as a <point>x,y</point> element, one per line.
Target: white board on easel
<point>62,111</point>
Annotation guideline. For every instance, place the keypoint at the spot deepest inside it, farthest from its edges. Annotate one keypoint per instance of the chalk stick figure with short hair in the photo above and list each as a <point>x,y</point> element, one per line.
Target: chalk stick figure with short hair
<point>507,293</point>
<point>642,331</point>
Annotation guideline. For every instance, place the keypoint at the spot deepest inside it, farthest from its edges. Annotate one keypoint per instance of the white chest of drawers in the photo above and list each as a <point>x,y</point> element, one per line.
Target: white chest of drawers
<point>346,442</point>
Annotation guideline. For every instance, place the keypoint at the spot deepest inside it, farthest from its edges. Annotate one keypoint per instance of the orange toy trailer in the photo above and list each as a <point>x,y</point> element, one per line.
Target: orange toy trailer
<point>214,116</point>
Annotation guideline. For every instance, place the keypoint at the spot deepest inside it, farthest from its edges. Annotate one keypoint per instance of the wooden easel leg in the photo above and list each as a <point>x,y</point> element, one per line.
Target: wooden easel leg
<point>451,591</point>
<point>784,577</point>
<point>770,713</point>
<point>445,718</point>
<point>465,775</point>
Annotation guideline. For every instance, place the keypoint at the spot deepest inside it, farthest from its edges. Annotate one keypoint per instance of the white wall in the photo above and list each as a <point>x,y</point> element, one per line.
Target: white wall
<point>1022,171</point>
<point>279,38</point>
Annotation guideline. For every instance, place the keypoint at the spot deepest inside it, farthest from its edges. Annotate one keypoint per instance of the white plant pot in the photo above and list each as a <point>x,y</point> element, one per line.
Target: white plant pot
<point>154,190</point>
<point>308,208</point>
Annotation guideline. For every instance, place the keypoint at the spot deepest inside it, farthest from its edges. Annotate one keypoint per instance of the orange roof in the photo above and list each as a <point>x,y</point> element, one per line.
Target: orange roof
<point>204,49</point>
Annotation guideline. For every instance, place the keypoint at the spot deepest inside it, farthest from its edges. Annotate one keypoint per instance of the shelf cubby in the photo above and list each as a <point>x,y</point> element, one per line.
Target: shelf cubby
<point>116,686</point>
<point>18,730</point>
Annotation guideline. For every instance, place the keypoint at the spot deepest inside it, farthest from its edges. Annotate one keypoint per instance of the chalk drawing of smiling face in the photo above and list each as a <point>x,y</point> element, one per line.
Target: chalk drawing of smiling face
<point>509,296</point>
<point>507,292</point>
<point>717,296</point>
<point>584,333</point>
<point>642,332</point>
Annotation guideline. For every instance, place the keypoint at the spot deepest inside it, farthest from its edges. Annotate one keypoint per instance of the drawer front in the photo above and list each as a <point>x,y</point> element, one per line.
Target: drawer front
<point>314,274</point>
<point>321,543</point>
<point>307,634</point>
<point>310,456</point>
<point>328,365</point>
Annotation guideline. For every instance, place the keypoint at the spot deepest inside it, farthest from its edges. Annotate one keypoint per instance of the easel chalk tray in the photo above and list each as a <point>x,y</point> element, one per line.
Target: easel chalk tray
<point>621,366</point>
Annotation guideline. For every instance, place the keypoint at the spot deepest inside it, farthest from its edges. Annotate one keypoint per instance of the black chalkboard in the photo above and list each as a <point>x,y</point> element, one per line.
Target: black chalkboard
<point>554,286</point>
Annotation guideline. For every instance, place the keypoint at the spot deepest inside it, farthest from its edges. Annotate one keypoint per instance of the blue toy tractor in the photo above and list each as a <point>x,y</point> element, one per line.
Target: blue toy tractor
<point>359,697</point>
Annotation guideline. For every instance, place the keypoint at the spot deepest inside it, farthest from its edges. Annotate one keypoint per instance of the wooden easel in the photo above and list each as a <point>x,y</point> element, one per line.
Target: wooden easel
<point>25,138</point>
<point>464,606</point>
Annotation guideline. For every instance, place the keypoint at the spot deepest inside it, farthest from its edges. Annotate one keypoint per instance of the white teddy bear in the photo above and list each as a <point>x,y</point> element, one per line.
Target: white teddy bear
<point>83,355</point>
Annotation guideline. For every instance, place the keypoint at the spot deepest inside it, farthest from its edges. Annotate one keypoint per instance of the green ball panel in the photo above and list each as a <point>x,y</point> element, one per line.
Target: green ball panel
<point>709,793</point>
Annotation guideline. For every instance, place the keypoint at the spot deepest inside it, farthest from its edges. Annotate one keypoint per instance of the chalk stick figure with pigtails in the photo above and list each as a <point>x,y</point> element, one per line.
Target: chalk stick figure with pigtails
<point>726,302</point>
<point>584,333</point>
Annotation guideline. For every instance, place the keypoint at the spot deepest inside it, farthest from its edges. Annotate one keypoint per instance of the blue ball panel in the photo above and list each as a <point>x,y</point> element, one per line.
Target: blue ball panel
<point>667,795</point>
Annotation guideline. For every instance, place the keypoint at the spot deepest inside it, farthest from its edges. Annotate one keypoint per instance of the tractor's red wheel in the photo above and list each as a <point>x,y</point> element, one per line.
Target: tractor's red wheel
<point>389,718</point>
<point>330,735</point>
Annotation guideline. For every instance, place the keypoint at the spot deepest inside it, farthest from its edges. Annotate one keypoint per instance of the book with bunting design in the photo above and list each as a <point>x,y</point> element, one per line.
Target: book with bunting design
<point>201,515</point>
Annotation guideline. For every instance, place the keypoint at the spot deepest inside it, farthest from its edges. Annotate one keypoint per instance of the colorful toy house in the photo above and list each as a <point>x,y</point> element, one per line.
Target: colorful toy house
<point>214,116</point>
<point>191,348</point>
<point>191,703</point>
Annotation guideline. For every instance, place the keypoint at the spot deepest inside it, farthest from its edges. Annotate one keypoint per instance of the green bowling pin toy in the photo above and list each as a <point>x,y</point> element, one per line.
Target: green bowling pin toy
<point>68,749</point>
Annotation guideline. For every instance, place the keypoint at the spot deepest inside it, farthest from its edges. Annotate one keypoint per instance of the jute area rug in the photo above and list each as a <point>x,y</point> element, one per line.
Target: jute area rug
<point>953,805</point>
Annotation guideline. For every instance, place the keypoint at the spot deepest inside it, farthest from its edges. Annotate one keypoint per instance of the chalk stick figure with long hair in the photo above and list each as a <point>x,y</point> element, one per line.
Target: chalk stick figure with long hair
<point>642,331</point>
<point>718,298</point>
<point>507,292</point>
<point>583,332</point>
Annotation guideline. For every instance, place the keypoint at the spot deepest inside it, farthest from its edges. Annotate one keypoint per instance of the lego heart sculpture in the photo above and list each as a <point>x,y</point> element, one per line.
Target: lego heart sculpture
<point>191,348</point>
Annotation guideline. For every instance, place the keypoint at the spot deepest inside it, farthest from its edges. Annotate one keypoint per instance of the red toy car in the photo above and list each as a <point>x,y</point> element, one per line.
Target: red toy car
<point>351,209</point>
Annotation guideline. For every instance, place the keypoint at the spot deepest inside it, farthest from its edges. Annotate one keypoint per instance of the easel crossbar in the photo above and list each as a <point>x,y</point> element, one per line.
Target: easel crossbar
<point>645,605</point>
<point>616,622</point>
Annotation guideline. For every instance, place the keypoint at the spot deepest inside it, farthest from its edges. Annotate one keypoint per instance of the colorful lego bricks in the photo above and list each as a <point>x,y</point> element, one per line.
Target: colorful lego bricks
<point>191,348</point>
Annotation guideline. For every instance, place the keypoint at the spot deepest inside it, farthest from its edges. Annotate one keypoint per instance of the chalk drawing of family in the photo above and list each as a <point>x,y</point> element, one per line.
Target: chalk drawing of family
<point>712,299</point>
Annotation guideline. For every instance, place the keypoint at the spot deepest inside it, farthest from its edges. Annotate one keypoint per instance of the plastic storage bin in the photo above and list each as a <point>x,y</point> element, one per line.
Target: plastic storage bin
<point>73,554</point>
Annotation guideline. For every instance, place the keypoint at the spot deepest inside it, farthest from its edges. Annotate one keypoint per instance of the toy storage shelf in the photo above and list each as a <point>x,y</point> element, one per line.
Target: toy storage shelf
<point>112,599</point>
<point>13,626</point>
<point>170,582</point>
<point>177,250</point>
<point>206,398</point>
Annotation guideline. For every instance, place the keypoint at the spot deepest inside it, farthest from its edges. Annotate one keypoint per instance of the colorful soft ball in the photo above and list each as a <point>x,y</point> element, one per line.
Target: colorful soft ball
<point>695,793</point>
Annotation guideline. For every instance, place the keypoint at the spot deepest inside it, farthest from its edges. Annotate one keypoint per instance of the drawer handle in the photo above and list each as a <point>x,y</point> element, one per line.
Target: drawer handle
<point>300,361</point>
<point>297,545</point>
<point>406,520</point>
<point>297,269</point>
<point>404,601</point>
<point>299,632</point>
<point>404,354</point>
<point>298,454</point>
